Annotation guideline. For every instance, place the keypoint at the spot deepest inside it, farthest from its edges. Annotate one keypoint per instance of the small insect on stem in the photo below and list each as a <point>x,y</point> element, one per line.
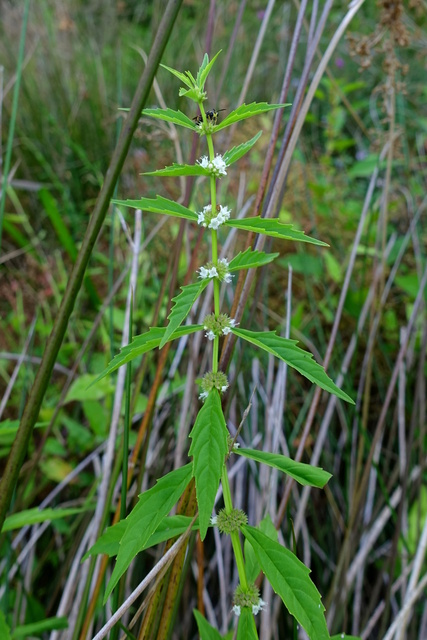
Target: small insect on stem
<point>211,116</point>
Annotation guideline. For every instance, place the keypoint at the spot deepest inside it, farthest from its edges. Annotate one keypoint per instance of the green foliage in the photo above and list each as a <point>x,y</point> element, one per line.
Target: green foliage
<point>286,350</point>
<point>159,205</point>
<point>246,629</point>
<point>152,507</point>
<point>274,229</point>
<point>34,516</point>
<point>169,115</point>
<point>182,307</point>
<point>305,474</point>
<point>251,259</point>
<point>238,152</point>
<point>247,111</point>
<point>290,579</point>
<point>208,449</point>
<point>206,631</point>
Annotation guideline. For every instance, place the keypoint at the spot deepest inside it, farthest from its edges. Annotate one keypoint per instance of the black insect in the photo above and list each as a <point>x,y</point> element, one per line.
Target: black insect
<point>211,116</point>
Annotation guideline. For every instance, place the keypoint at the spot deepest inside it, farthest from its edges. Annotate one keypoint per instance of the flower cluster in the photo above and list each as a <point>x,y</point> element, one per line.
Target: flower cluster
<point>232,521</point>
<point>213,380</point>
<point>216,167</point>
<point>218,326</point>
<point>219,270</point>
<point>248,597</point>
<point>208,219</point>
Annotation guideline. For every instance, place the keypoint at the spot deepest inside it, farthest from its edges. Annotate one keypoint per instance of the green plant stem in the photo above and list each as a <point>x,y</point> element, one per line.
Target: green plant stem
<point>31,412</point>
<point>235,540</point>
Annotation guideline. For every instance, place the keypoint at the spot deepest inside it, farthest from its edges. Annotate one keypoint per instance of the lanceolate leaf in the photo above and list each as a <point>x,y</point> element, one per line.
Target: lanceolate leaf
<point>249,259</point>
<point>246,629</point>
<point>206,631</point>
<point>290,580</point>
<point>205,68</point>
<point>274,228</point>
<point>208,449</point>
<point>182,307</point>
<point>295,357</point>
<point>247,111</point>
<point>179,170</point>
<point>182,76</point>
<point>305,474</point>
<point>169,115</point>
<point>34,516</point>
<point>160,205</point>
<point>237,152</point>
<point>144,519</point>
<point>142,344</point>
<point>109,542</point>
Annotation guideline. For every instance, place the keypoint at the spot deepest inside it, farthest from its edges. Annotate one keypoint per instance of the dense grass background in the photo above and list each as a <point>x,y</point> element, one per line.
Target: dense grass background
<point>357,181</point>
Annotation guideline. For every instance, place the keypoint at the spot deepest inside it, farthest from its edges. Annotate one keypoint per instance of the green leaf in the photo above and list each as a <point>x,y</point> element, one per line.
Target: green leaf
<point>249,259</point>
<point>159,205</point>
<point>182,76</point>
<point>169,115</point>
<point>206,631</point>
<point>170,527</point>
<point>153,505</point>
<point>295,357</point>
<point>179,170</point>
<point>345,636</point>
<point>79,391</point>
<point>237,152</point>
<point>290,579</point>
<point>305,474</point>
<point>251,563</point>
<point>142,344</point>
<point>34,516</point>
<point>247,111</point>
<point>208,449</point>
<point>246,628</point>
<point>274,228</point>
<point>205,69</point>
<point>36,628</point>
<point>182,307</point>
<point>4,627</point>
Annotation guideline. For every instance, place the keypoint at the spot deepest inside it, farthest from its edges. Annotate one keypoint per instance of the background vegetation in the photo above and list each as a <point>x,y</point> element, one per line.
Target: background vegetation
<point>357,181</point>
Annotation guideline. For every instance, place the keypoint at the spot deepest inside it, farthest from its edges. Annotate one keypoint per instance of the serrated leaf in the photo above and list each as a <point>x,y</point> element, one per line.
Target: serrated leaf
<point>153,505</point>
<point>169,115</point>
<point>249,259</point>
<point>303,473</point>
<point>205,69</point>
<point>295,357</point>
<point>206,631</point>
<point>237,152</point>
<point>246,628</point>
<point>182,307</point>
<point>208,449</point>
<point>170,527</point>
<point>247,111</point>
<point>290,579</point>
<point>159,205</point>
<point>34,516</point>
<point>179,170</point>
<point>179,75</point>
<point>142,344</point>
<point>274,228</point>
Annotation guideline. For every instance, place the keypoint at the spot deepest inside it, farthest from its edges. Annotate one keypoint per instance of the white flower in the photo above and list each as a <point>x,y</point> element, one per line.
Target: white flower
<point>224,262</point>
<point>201,219</point>
<point>204,273</point>
<point>210,335</point>
<point>224,213</point>
<point>214,520</point>
<point>203,395</point>
<point>227,277</point>
<point>214,223</point>
<point>204,162</point>
<point>224,388</point>
<point>236,610</point>
<point>219,165</point>
<point>226,331</point>
<point>256,608</point>
<point>213,273</point>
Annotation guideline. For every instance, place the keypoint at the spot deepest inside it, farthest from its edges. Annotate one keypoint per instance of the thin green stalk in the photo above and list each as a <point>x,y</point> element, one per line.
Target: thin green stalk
<point>31,412</point>
<point>12,123</point>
